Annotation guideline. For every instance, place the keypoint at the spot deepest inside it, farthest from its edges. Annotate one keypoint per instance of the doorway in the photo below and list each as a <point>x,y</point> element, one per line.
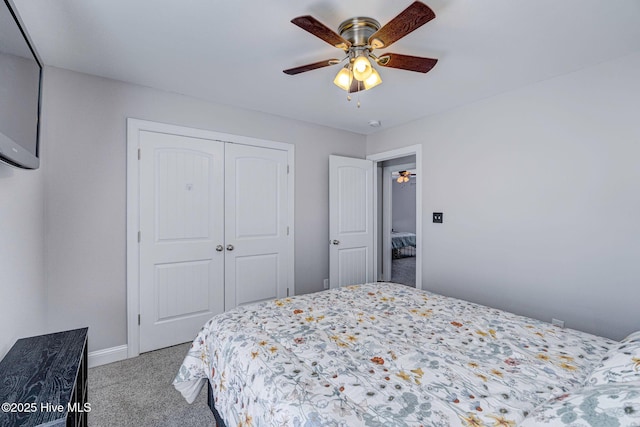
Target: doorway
<point>398,216</point>
<point>402,215</point>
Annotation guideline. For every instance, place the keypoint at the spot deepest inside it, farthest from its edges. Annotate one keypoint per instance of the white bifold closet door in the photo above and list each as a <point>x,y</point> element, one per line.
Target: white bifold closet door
<point>213,224</point>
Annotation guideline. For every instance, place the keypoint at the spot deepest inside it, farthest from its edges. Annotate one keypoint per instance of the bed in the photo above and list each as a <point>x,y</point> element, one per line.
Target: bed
<point>403,244</point>
<point>384,354</point>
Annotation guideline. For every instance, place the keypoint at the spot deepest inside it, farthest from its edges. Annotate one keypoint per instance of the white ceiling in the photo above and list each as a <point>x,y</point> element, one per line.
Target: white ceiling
<point>233,52</point>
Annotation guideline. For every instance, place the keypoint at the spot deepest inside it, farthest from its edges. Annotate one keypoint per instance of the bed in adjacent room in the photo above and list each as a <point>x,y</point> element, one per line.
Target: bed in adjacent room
<point>403,243</point>
<point>387,355</point>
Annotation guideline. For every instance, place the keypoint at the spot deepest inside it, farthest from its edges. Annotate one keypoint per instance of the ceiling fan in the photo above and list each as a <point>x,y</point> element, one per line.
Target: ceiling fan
<point>402,176</point>
<point>358,37</point>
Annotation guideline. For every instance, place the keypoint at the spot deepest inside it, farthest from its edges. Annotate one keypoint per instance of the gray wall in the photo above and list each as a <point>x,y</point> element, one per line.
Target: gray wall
<point>540,190</point>
<point>84,143</point>
<point>22,288</point>
<point>403,215</point>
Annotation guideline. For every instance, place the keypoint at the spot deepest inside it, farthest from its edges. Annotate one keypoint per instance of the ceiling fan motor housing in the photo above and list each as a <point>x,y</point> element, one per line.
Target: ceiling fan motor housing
<point>358,30</point>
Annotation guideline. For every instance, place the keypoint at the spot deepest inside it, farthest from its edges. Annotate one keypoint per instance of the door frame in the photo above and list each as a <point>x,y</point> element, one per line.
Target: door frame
<point>389,155</point>
<point>134,127</point>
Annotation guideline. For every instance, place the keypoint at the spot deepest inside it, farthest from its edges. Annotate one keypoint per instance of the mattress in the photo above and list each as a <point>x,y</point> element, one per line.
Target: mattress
<point>383,355</point>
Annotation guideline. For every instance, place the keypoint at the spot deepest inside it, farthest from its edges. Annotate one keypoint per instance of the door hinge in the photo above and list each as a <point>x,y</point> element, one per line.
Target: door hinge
<point>138,320</point>
<point>139,154</point>
<point>139,236</point>
<point>287,230</point>
<point>287,169</point>
<point>287,291</point>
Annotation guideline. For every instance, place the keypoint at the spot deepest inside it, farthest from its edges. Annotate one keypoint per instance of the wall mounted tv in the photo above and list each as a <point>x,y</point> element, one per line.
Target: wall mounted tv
<point>20,86</point>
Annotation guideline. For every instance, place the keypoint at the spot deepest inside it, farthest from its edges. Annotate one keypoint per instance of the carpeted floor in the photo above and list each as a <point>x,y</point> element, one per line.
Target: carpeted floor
<point>139,392</point>
<point>403,270</point>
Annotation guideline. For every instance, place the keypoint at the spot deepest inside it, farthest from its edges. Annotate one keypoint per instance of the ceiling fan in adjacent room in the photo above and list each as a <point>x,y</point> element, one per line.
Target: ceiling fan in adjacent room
<point>402,176</point>
<point>358,37</point>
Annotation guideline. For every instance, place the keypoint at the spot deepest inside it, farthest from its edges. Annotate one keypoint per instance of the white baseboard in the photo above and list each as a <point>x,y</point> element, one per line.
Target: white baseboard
<point>108,355</point>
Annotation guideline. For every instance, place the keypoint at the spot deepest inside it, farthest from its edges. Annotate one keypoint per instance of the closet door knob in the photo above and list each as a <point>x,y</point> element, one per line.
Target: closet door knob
<point>336,242</point>
<point>219,248</point>
<point>229,247</point>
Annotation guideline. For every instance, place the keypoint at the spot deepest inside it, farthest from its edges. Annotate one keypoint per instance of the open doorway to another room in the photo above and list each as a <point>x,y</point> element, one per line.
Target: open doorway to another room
<point>403,227</point>
<point>397,229</point>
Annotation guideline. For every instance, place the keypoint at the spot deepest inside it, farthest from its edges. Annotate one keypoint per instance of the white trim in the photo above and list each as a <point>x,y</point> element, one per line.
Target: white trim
<point>133,226</point>
<point>108,355</point>
<point>134,127</point>
<point>291,215</point>
<point>398,152</point>
<point>394,154</point>
<point>387,207</point>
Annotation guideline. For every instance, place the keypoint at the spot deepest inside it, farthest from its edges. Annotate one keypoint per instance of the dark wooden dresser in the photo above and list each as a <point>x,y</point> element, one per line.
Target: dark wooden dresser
<point>43,381</point>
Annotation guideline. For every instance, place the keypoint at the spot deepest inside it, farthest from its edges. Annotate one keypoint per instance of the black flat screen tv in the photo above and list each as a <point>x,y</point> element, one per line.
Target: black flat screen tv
<point>20,87</point>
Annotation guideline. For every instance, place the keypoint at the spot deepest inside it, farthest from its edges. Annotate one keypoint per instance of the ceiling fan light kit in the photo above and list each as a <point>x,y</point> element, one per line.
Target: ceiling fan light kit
<point>373,80</point>
<point>358,37</point>
<point>403,176</point>
<point>361,67</point>
<point>343,79</point>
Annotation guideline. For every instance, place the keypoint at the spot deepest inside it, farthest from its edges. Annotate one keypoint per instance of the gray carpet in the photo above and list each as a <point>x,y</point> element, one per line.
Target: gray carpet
<point>138,392</point>
<point>403,270</point>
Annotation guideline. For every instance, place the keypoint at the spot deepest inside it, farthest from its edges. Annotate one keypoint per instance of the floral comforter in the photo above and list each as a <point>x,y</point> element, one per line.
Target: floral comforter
<point>382,355</point>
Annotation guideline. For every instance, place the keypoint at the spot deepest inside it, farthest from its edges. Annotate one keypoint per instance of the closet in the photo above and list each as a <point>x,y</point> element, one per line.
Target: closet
<point>214,224</point>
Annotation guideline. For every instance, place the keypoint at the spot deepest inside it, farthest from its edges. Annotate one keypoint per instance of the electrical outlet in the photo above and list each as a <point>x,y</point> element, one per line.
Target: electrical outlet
<point>437,217</point>
<point>325,283</point>
<point>558,323</point>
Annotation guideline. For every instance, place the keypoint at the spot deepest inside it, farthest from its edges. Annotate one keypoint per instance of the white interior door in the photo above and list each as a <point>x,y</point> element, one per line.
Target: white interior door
<point>350,221</point>
<point>256,230</point>
<point>181,223</point>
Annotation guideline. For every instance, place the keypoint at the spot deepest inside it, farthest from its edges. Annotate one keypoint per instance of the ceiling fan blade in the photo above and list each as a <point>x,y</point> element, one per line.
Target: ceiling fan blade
<point>408,20</point>
<point>309,67</point>
<point>318,29</point>
<point>407,62</point>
